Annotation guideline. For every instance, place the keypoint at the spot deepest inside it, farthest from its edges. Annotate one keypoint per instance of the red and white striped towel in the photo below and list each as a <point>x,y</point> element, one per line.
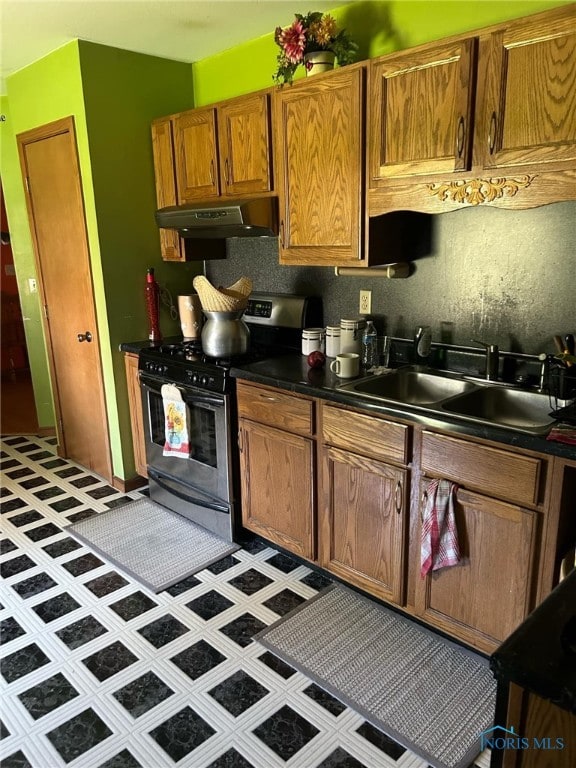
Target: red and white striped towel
<point>439,544</point>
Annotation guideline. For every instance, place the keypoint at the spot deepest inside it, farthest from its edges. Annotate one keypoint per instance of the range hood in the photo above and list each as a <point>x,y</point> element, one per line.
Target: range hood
<point>222,219</point>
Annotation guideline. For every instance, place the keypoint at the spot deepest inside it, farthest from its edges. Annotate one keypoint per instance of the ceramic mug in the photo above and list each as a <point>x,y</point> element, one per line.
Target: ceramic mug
<point>346,365</point>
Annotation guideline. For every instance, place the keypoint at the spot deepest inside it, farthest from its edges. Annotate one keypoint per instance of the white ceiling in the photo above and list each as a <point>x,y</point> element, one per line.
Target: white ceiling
<point>184,30</point>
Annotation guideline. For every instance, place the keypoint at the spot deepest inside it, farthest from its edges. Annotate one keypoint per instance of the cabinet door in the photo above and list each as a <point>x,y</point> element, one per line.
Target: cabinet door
<point>528,103</point>
<point>165,176</point>
<point>277,487</point>
<point>363,522</point>
<point>487,595</point>
<point>244,145</point>
<point>420,111</point>
<point>136,415</point>
<point>318,124</point>
<point>196,159</point>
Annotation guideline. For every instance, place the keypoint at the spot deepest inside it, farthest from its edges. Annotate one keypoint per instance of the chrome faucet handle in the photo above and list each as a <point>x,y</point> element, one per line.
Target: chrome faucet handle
<point>492,359</point>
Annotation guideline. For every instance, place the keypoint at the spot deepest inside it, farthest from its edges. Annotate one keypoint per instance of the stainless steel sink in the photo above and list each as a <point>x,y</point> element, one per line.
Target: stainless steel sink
<point>512,408</point>
<point>410,386</point>
<point>438,394</point>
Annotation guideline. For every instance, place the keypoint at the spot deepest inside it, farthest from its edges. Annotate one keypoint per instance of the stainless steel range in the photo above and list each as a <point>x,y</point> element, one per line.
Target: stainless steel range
<point>203,486</point>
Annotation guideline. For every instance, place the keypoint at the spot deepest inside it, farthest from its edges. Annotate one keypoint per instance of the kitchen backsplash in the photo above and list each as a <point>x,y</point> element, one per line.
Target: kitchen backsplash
<point>504,277</point>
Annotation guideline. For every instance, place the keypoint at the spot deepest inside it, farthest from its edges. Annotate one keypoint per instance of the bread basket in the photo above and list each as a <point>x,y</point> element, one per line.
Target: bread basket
<point>231,299</point>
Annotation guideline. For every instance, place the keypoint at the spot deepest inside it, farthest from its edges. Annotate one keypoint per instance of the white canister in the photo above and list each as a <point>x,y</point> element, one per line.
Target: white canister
<point>332,340</point>
<point>351,334</point>
<point>312,340</point>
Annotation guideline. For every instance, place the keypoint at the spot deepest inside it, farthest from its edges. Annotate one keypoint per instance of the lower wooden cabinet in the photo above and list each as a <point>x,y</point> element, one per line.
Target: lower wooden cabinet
<point>344,488</point>
<point>136,417</point>
<point>277,465</point>
<point>278,488</point>
<point>487,595</point>
<point>363,518</point>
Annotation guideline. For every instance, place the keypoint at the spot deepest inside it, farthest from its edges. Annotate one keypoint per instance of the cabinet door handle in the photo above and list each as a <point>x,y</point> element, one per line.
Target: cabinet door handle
<point>398,497</point>
<point>282,238</point>
<point>271,398</point>
<point>460,136</point>
<point>212,172</point>
<point>240,441</point>
<point>492,134</point>
<point>227,171</point>
<point>84,337</point>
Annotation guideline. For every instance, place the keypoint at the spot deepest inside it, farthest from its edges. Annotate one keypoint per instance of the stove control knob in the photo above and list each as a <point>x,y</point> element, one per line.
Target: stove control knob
<point>204,381</point>
<point>195,378</point>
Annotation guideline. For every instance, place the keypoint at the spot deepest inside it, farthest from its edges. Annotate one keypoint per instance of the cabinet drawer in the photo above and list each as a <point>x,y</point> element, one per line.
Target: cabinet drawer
<point>361,433</point>
<point>276,408</point>
<point>497,473</point>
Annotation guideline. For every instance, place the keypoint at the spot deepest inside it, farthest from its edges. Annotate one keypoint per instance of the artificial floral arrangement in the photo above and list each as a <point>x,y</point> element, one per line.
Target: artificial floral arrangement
<point>313,32</point>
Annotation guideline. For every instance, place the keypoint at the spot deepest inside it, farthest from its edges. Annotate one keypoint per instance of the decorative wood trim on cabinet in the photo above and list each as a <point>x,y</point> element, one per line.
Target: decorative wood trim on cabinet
<point>477,191</point>
<point>513,147</point>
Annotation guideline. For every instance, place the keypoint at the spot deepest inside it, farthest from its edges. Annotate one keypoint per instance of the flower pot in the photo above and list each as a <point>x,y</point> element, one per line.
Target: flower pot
<point>318,61</point>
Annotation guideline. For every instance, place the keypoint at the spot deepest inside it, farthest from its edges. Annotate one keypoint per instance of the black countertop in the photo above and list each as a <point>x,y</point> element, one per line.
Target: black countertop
<point>134,347</point>
<point>291,372</point>
<point>540,655</point>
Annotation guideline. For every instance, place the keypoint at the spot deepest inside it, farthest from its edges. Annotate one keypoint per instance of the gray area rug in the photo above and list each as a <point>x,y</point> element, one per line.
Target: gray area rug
<point>149,542</point>
<point>429,694</point>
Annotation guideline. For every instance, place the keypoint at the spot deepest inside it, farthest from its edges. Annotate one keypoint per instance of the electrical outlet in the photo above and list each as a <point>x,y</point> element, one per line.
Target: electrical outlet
<point>365,302</point>
<point>32,285</point>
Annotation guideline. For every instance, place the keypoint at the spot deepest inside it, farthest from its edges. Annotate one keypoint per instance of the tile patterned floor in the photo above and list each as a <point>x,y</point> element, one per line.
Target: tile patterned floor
<point>98,672</point>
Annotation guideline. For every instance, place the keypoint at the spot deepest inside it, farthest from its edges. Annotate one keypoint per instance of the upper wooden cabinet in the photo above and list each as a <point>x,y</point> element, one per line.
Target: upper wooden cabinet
<point>196,155</point>
<point>486,119</point>
<point>421,111</point>
<point>224,149</point>
<point>203,154</point>
<point>163,152</point>
<point>319,151</point>
<point>244,145</point>
<point>527,102</point>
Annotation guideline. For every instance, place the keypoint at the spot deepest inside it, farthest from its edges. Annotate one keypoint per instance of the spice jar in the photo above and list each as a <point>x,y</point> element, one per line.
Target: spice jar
<point>351,334</point>
<point>332,340</point>
<point>312,340</point>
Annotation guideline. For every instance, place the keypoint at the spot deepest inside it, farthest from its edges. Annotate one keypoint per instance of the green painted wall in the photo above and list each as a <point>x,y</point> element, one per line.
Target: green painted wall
<point>41,93</point>
<point>113,95</point>
<point>123,93</point>
<point>378,26</point>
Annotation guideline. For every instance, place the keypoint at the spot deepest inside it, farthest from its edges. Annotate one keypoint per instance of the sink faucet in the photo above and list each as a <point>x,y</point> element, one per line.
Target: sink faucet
<point>492,359</point>
<point>422,343</point>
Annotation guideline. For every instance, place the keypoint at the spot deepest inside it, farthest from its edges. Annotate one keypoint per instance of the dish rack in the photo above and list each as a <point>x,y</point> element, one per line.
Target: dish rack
<point>562,393</point>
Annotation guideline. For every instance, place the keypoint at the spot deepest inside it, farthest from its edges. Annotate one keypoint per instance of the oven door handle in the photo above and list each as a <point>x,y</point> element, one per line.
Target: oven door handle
<point>200,397</point>
<point>213,505</point>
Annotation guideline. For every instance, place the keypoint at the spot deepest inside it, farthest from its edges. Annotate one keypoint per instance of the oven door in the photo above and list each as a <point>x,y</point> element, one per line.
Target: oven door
<point>208,469</point>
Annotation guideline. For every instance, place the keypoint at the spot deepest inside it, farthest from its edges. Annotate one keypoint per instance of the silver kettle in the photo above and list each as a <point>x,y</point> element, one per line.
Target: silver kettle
<point>225,334</point>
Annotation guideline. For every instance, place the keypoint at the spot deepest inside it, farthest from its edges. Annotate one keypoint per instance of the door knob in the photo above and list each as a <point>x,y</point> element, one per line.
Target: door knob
<point>85,336</point>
